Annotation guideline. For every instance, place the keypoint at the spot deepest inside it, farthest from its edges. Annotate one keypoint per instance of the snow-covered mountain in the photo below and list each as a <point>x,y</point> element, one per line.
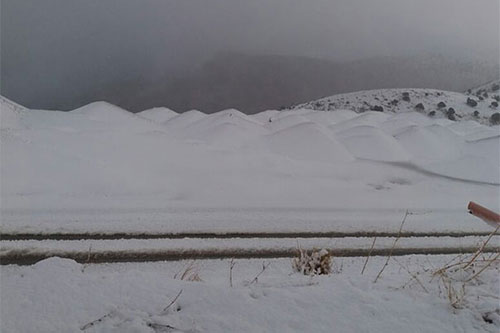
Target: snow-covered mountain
<point>479,104</point>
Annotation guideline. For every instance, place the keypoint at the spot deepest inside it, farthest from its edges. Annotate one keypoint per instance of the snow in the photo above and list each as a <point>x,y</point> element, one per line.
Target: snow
<point>391,101</point>
<point>59,295</point>
<point>159,115</point>
<point>239,245</point>
<point>101,169</point>
<point>307,141</point>
<point>426,143</point>
<point>372,143</point>
<point>184,119</point>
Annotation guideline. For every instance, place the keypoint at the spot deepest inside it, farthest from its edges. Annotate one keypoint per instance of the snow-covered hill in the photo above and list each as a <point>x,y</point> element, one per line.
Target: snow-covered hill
<point>103,157</point>
<point>480,104</point>
<point>486,89</point>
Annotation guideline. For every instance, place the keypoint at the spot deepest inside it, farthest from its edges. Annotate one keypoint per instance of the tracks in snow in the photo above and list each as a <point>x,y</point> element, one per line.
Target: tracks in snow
<point>26,249</point>
<point>224,235</point>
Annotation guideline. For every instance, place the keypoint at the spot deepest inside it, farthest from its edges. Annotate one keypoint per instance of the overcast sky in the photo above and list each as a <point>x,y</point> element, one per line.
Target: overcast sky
<point>70,40</point>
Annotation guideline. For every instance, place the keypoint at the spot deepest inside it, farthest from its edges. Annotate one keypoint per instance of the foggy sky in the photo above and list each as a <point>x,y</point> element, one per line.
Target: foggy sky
<point>66,48</point>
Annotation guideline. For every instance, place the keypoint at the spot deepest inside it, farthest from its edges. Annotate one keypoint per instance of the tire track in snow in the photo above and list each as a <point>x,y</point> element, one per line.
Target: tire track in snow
<point>29,257</point>
<point>225,235</point>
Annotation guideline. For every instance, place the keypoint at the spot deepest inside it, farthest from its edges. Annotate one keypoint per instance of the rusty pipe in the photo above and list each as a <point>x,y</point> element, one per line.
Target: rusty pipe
<point>484,214</point>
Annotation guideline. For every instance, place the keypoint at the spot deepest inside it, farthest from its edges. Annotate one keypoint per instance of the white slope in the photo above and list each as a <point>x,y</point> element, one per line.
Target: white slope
<point>286,121</point>
<point>105,116</point>
<point>329,118</point>
<point>10,114</point>
<point>103,111</point>
<point>159,115</point>
<point>393,101</point>
<point>370,142</point>
<point>184,119</point>
<point>367,118</point>
<point>307,141</point>
<point>430,143</point>
<point>102,168</point>
<point>227,128</point>
<point>264,116</point>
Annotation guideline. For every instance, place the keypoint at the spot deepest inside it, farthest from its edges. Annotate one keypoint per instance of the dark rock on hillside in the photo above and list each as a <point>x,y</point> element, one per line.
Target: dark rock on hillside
<point>451,114</point>
<point>471,102</point>
<point>406,98</point>
<point>495,119</point>
<point>494,104</point>
<point>432,113</point>
<point>377,108</point>
<point>476,114</point>
<point>420,106</point>
<point>441,105</point>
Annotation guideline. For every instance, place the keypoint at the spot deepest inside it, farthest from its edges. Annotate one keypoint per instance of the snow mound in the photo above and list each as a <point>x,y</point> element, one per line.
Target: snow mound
<point>264,116</point>
<point>230,116</point>
<point>308,141</point>
<point>184,119</point>
<point>430,143</point>
<point>99,116</point>
<point>368,118</point>
<point>159,115</point>
<point>104,111</point>
<point>466,127</point>
<point>228,128</point>
<point>372,143</point>
<point>488,148</point>
<point>413,117</point>
<point>329,118</point>
<point>395,126</point>
<point>286,121</point>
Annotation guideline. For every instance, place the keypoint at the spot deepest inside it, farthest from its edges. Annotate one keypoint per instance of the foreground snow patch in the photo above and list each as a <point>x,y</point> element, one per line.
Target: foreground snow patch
<point>59,295</point>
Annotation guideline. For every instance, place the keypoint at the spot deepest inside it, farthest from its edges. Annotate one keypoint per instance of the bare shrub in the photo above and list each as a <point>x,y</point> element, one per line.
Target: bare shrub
<point>313,262</point>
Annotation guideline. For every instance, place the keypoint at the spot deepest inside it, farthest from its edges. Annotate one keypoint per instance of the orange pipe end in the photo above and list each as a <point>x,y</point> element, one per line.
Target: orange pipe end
<point>484,214</point>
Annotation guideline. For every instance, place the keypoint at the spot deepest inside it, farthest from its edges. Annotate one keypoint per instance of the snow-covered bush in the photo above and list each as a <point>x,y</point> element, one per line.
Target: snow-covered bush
<point>312,263</point>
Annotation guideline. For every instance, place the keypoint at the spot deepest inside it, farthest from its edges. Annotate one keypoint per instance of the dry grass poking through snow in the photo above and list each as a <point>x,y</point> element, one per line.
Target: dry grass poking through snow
<point>463,271</point>
<point>190,273</point>
<point>313,262</point>
<point>466,281</point>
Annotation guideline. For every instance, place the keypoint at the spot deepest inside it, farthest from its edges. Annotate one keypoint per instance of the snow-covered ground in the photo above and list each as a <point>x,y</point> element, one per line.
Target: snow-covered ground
<point>59,295</point>
<point>101,169</point>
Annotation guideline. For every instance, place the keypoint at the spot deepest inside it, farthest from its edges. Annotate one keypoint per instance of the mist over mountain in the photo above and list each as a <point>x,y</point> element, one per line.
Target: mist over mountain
<point>255,83</point>
<point>252,83</point>
<point>62,54</point>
